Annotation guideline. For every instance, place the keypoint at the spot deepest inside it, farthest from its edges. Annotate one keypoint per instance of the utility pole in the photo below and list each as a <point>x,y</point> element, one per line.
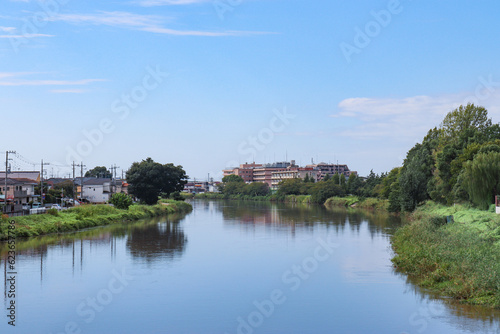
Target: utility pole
<point>6,175</point>
<point>41,182</point>
<point>113,180</point>
<point>74,192</point>
<point>81,165</point>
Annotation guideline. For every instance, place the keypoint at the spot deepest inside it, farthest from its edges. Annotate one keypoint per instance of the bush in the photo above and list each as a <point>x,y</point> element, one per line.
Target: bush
<point>121,201</point>
<point>53,212</point>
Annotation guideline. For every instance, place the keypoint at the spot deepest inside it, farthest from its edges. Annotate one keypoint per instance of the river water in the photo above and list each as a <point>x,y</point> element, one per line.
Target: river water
<point>227,267</point>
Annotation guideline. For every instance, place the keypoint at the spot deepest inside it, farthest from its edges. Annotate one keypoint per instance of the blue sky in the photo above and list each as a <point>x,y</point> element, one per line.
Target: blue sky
<point>209,84</point>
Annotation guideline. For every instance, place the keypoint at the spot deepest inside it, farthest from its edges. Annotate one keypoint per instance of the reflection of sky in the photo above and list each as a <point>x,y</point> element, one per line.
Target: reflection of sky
<point>226,265</point>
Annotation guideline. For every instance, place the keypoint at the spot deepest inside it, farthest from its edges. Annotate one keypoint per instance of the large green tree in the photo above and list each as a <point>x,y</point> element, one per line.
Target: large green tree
<point>481,178</point>
<point>149,179</point>
<point>99,171</point>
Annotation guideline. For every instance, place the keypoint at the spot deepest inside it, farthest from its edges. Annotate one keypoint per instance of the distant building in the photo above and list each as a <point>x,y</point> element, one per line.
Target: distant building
<point>198,187</point>
<point>274,173</point>
<point>331,169</point>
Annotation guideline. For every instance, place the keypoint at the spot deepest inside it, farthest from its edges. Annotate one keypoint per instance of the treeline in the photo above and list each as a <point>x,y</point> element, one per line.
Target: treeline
<point>459,161</point>
<point>336,185</point>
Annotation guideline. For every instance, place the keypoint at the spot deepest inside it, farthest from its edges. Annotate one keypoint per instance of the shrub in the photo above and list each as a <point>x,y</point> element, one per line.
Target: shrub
<point>121,201</point>
<point>53,212</point>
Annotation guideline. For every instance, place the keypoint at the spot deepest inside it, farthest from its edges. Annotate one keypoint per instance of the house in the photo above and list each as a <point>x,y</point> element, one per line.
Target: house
<point>100,190</point>
<point>18,193</point>
<point>30,175</point>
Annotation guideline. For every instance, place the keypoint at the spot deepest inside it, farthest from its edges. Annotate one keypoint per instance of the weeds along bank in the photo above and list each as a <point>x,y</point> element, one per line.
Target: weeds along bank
<point>369,203</point>
<point>460,259</point>
<point>87,216</point>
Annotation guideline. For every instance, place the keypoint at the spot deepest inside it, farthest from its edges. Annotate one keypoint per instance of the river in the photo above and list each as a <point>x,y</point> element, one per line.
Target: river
<point>227,267</point>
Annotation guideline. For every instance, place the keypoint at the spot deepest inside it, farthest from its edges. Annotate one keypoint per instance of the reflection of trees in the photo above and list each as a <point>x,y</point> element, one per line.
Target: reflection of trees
<point>162,239</point>
<point>486,318</point>
<point>295,215</point>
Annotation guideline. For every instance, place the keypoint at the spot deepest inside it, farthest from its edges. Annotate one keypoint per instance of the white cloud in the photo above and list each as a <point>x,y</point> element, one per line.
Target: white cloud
<point>15,81</point>
<point>71,91</point>
<point>148,23</point>
<point>152,3</point>
<point>405,118</point>
<point>7,29</point>
<point>26,36</point>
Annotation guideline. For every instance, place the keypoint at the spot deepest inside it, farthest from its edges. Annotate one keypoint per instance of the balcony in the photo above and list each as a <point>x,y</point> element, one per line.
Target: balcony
<point>20,193</point>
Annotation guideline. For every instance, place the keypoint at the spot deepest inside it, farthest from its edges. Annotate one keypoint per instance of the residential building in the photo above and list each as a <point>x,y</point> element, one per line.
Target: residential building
<point>331,169</point>
<point>246,171</point>
<point>97,190</point>
<point>30,175</point>
<point>293,173</point>
<point>18,193</point>
<point>274,173</point>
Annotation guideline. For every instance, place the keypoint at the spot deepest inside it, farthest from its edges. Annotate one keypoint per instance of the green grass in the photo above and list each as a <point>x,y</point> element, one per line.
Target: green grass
<point>355,201</point>
<point>87,216</point>
<point>459,259</point>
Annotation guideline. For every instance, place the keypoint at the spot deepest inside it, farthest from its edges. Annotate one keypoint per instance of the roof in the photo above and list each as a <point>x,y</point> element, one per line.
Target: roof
<point>14,181</point>
<point>32,175</point>
<point>96,181</point>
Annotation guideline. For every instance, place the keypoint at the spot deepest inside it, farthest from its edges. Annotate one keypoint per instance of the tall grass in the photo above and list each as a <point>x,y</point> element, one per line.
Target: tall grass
<point>87,216</point>
<point>459,259</point>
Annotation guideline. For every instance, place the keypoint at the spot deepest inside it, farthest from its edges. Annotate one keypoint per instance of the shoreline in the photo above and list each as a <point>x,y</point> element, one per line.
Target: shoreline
<point>86,216</point>
<point>458,259</point>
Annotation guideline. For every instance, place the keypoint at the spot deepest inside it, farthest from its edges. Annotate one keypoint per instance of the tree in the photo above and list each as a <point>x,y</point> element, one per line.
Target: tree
<point>232,178</point>
<point>256,189</point>
<point>415,176</point>
<point>463,119</point>
<point>99,171</point>
<point>327,177</point>
<point>322,191</point>
<point>481,178</point>
<point>121,201</point>
<point>148,179</point>
<point>291,187</point>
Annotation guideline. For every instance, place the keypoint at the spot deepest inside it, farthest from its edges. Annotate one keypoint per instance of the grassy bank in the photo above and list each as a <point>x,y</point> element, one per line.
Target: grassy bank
<point>360,203</point>
<point>460,259</point>
<point>87,216</point>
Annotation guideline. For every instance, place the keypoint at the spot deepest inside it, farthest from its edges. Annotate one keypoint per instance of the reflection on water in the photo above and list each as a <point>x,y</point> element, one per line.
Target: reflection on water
<point>147,239</point>
<point>237,254</point>
<point>158,240</point>
<point>289,216</point>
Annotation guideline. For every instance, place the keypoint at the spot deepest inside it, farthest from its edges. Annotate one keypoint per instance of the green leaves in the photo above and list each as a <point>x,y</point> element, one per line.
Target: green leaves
<point>148,179</point>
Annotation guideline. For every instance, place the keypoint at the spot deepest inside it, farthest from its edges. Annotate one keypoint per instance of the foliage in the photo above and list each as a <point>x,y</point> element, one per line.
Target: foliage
<point>99,171</point>
<point>435,168</point>
<point>89,216</point>
<point>460,259</point>
<point>232,178</point>
<point>121,201</point>
<point>482,178</point>
<point>148,179</point>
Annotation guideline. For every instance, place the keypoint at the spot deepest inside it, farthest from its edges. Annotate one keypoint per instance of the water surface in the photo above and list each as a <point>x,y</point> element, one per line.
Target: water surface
<point>228,267</point>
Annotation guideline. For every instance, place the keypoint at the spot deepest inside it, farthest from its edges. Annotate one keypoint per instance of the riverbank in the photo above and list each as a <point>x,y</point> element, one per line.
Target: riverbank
<point>369,203</point>
<point>87,216</point>
<point>460,259</point>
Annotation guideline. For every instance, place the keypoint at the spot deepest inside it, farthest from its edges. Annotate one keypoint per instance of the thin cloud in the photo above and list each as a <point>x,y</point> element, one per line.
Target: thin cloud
<point>26,36</point>
<point>7,29</point>
<point>35,82</point>
<point>153,3</point>
<point>70,91</point>
<point>147,23</point>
